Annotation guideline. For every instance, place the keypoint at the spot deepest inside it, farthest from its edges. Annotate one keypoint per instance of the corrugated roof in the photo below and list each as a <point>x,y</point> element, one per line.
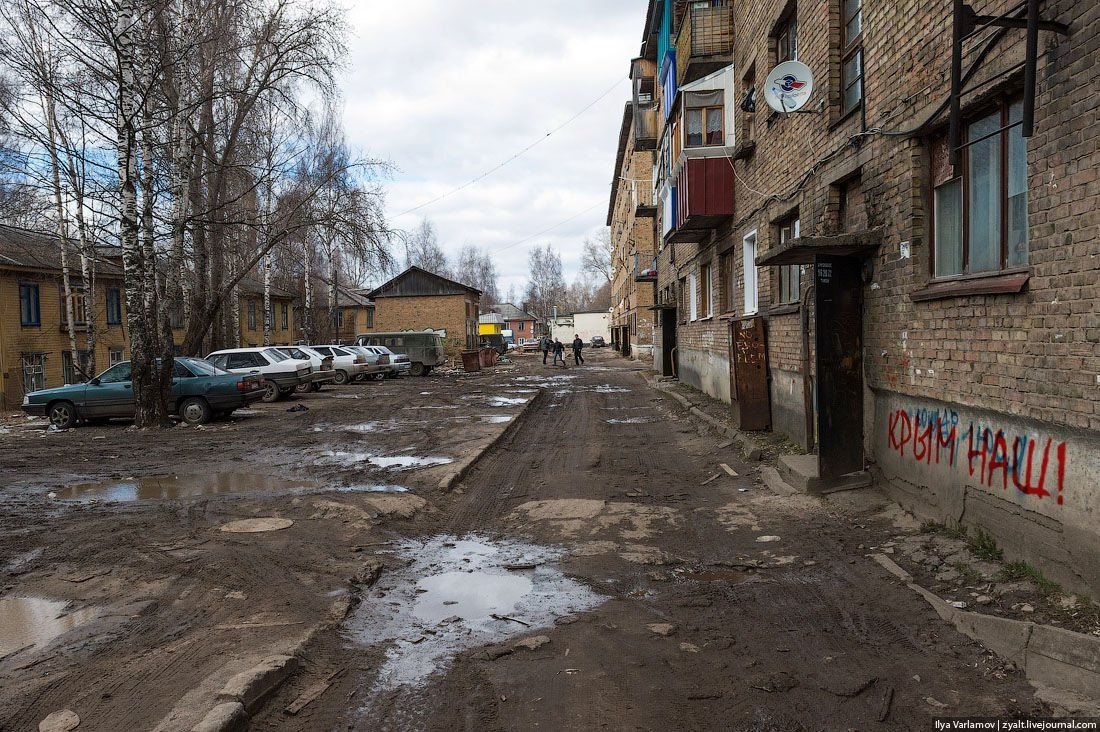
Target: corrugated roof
<point>511,312</point>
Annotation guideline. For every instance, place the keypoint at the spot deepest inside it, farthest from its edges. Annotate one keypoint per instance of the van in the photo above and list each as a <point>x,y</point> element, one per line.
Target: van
<point>424,348</point>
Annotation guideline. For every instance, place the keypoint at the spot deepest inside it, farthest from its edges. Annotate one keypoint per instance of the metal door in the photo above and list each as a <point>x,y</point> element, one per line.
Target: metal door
<point>750,399</point>
<point>839,365</point>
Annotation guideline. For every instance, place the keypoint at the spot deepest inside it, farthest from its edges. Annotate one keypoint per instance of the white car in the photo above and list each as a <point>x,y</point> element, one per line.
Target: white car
<point>323,371</point>
<point>349,365</point>
<point>378,362</point>
<point>281,374</point>
<point>399,362</point>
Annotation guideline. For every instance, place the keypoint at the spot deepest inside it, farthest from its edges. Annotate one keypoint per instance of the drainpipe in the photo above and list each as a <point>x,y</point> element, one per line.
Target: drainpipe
<point>807,387</point>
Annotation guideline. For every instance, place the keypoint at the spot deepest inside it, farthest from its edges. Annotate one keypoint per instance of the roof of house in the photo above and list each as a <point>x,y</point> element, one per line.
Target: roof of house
<point>511,312</point>
<point>353,298</point>
<point>28,249</point>
<point>418,282</point>
<point>255,286</point>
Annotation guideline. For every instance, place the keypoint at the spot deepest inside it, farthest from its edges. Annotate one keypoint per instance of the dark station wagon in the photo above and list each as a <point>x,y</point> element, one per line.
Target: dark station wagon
<point>199,392</point>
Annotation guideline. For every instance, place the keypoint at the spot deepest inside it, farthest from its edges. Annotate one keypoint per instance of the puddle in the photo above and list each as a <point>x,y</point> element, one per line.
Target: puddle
<point>402,462</point>
<point>499,401</point>
<point>523,391</point>
<point>445,406</point>
<point>372,489</point>
<point>495,418</point>
<point>631,420</point>
<point>444,601</point>
<point>27,622</point>
<point>168,487</point>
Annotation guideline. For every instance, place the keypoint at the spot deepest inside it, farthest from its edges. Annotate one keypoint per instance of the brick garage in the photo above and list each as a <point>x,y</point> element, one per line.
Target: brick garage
<point>420,300</point>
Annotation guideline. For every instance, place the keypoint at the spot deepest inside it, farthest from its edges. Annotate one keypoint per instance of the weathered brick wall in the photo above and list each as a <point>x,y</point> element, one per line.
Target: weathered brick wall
<point>457,314</point>
<point>48,338</point>
<point>252,337</point>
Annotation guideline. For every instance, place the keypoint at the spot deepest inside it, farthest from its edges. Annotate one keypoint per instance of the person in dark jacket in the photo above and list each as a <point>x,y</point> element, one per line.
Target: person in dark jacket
<point>578,344</point>
<point>545,345</point>
<point>559,353</point>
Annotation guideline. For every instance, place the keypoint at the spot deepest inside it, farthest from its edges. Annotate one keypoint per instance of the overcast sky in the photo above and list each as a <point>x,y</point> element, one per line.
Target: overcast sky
<point>447,90</point>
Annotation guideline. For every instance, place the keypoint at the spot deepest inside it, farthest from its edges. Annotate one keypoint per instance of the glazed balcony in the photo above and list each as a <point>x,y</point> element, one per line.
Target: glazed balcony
<point>643,77</point>
<point>645,271</point>
<point>705,40</point>
<point>704,198</point>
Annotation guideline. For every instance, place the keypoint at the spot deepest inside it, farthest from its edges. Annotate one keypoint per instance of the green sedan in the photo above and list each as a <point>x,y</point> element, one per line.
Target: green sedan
<point>200,391</point>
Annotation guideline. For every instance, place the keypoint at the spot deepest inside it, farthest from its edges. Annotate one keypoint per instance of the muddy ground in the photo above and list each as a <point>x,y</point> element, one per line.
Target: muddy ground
<point>646,593</point>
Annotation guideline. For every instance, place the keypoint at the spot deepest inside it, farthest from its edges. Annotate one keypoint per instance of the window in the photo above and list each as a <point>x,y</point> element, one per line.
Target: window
<point>748,248</point>
<point>270,315</point>
<point>117,374</point>
<point>786,39</point>
<point>114,306</point>
<point>370,317</point>
<point>681,300</point>
<point>252,315</point>
<point>790,275</point>
<point>707,294</point>
<point>29,312</point>
<point>275,355</point>
<point>80,312</point>
<point>704,118</point>
<point>693,298</point>
<point>748,106</point>
<point>726,287</point>
<point>285,312</point>
<point>34,371</point>
<point>851,59</point>
<point>979,207</point>
<point>79,374</point>
<point>114,356</point>
<point>175,316</point>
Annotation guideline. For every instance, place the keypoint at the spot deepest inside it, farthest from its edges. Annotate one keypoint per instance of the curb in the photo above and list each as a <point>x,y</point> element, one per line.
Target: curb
<point>749,448</point>
<point>1051,657</point>
<point>463,467</point>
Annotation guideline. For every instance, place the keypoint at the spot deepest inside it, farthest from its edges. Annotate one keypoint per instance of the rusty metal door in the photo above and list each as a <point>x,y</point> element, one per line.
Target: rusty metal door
<point>839,365</point>
<point>750,399</point>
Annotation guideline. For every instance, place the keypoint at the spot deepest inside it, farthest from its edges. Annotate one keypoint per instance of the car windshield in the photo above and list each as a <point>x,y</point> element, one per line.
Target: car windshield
<point>275,355</point>
<point>295,353</point>
<point>340,352</point>
<point>202,368</point>
<point>383,349</point>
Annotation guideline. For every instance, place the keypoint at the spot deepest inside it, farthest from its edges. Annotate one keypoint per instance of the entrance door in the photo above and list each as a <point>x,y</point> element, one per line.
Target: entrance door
<point>669,367</point>
<point>839,365</point>
<point>750,399</point>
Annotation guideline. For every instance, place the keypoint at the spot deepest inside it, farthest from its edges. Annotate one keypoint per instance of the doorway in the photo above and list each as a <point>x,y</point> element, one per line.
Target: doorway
<point>839,340</point>
<point>669,367</point>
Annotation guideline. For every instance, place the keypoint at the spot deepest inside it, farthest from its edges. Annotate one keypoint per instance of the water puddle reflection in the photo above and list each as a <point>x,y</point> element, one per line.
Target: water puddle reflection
<point>32,622</point>
<point>168,487</point>
<point>456,594</point>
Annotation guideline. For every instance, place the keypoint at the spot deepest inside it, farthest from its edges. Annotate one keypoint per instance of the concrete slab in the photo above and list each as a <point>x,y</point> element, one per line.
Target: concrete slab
<point>801,473</point>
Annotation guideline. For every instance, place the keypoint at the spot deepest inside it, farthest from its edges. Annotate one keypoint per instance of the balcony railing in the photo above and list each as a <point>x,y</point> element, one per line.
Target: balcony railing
<point>705,39</point>
<point>641,195</point>
<point>704,198</point>
<point>643,75</point>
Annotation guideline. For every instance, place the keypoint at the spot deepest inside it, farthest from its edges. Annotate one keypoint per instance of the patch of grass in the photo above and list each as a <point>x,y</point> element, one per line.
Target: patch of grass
<point>972,575</point>
<point>1016,571</point>
<point>985,546</point>
<point>957,531</point>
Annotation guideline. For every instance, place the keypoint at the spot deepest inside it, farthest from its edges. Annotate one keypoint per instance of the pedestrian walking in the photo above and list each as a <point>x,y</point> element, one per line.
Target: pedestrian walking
<point>559,353</point>
<point>545,345</point>
<point>578,344</point>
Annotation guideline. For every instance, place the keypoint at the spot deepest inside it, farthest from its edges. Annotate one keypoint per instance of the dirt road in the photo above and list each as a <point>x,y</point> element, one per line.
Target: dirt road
<point>644,592</point>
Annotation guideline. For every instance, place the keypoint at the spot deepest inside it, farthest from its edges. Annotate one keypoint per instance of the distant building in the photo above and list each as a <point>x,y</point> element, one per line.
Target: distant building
<point>524,326</point>
<point>356,315</point>
<point>418,299</point>
<point>591,323</point>
<point>284,325</point>
<point>34,337</point>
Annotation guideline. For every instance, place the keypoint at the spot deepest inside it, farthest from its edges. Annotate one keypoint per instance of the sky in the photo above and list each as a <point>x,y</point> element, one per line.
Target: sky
<point>447,90</point>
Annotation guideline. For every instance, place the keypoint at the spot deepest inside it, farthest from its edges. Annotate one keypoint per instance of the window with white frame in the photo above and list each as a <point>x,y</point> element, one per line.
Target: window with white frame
<point>748,249</point>
<point>706,289</point>
<point>693,298</point>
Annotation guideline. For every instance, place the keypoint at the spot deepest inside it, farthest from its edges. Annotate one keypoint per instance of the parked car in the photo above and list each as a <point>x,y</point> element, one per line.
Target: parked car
<point>598,342</point>
<point>322,365</point>
<point>280,373</point>
<point>399,362</point>
<point>424,348</point>
<point>199,392</point>
<point>350,365</point>
<point>529,346</point>
<point>378,361</point>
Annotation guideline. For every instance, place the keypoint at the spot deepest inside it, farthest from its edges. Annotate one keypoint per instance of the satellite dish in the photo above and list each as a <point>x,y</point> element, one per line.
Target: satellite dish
<point>789,87</point>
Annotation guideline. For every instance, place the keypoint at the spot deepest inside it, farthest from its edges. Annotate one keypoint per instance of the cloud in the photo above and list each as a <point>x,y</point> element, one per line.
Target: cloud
<point>448,90</point>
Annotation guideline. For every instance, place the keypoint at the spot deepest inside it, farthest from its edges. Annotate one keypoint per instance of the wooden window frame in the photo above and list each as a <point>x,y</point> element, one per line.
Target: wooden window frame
<point>849,49</point>
<point>788,276</point>
<point>962,173</point>
<point>786,37</point>
<point>284,312</point>
<point>705,113</point>
<point>252,315</point>
<point>25,318</point>
<point>706,290</point>
<point>117,310</point>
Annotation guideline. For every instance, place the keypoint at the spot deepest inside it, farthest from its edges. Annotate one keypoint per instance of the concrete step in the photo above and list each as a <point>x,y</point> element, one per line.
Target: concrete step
<point>801,473</point>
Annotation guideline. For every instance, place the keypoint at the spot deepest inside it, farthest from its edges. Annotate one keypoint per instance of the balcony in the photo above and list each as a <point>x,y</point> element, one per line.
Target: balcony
<point>641,195</point>
<point>643,76</point>
<point>704,198</point>
<point>645,271</point>
<point>705,40</point>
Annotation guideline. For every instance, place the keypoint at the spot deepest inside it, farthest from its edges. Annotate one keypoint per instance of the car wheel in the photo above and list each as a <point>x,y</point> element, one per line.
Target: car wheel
<point>271,392</point>
<point>62,415</point>
<point>286,393</point>
<point>418,369</point>
<point>304,388</point>
<point>378,377</point>
<point>341,378</point>
<point>195,411</point>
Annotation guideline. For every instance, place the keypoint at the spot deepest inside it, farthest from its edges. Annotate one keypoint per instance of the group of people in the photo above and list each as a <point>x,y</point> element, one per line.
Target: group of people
<point>552,345</point>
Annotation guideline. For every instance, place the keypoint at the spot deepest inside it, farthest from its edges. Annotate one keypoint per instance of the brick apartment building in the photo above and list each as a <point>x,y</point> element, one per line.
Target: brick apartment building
<point>418,299</point>
<point>839,277</point>
<point>630,215</point>
<point>524,326</point>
